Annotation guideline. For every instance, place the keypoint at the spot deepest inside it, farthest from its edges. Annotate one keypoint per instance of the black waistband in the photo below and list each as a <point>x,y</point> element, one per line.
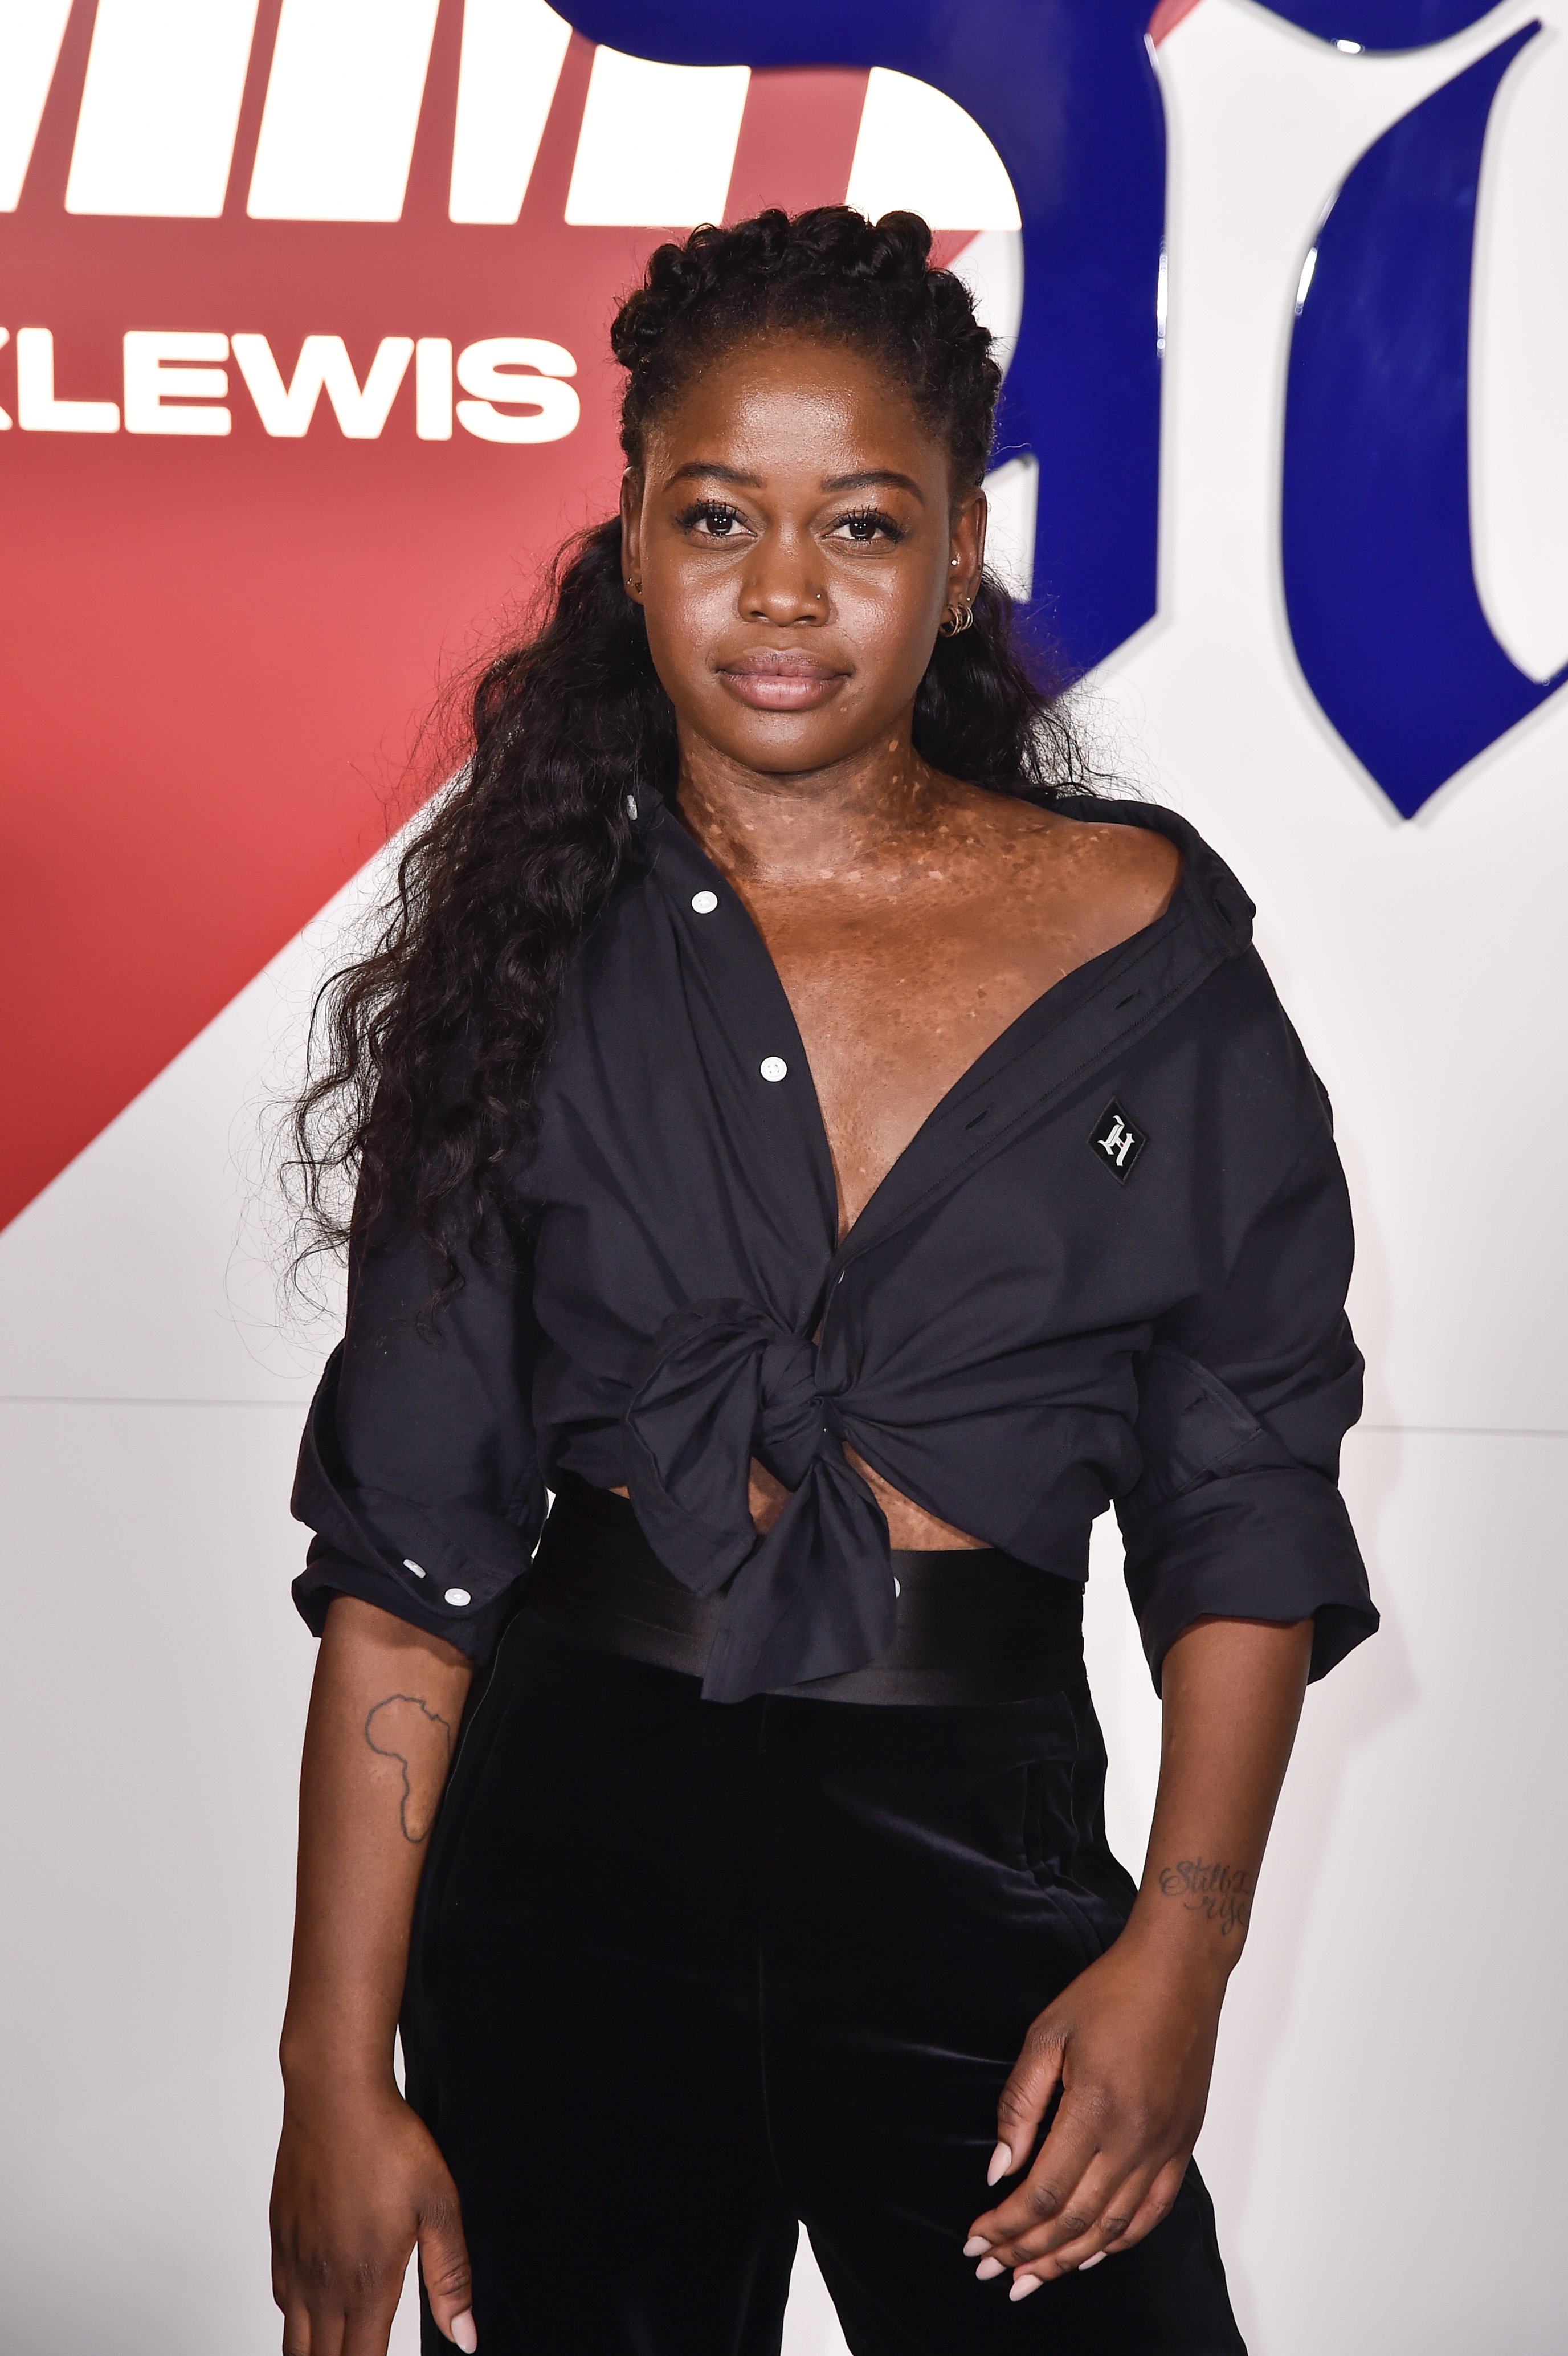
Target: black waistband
<point>974,1624</point>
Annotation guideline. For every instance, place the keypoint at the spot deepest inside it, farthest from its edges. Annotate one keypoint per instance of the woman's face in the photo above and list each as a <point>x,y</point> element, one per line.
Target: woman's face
<point>794,539</point>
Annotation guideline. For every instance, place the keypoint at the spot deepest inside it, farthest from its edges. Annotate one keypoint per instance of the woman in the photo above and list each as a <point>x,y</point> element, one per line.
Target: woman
<point>836,1160</point>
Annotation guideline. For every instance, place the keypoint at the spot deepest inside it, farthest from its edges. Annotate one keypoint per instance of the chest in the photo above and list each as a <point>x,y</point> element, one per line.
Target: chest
<point>896,995</point>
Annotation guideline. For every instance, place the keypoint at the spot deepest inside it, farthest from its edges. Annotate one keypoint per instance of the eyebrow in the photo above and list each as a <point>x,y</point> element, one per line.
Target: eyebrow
<point>873,476</point>
<point>700,467</point>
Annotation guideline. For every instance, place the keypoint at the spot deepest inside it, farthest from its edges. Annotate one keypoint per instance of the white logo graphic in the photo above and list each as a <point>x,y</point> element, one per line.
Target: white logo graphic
<point>1117,1142</point>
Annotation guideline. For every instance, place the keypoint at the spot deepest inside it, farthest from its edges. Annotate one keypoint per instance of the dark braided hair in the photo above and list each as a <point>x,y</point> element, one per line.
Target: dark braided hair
<point>827,274</point>
<point>424,1055</point>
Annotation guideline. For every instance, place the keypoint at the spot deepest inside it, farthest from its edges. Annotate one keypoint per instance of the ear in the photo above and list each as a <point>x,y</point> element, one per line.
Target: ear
<point>966,546</point>
<point>632,533</point>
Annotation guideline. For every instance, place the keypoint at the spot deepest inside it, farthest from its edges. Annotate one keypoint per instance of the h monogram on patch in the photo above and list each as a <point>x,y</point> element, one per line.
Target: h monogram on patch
<point>1117,1142</point>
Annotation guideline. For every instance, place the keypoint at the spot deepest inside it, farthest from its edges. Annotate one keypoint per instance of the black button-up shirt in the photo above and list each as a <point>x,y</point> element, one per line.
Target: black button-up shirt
<point>1110,1266</point>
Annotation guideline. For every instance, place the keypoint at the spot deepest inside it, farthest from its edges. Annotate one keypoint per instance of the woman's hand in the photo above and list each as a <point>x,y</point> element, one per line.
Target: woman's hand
<point>1131,2042</point>
<point>358,2182</point>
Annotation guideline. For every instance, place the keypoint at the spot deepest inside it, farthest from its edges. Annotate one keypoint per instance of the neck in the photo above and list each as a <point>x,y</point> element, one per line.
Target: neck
<point>806,825</point>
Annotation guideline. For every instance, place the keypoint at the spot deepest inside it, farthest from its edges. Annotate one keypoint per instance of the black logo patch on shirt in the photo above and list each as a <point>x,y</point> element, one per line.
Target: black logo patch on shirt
<point>1117,1142</point>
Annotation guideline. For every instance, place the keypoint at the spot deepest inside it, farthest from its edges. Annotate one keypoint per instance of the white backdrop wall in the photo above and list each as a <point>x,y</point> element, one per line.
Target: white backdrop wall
<point>1390,2061</point>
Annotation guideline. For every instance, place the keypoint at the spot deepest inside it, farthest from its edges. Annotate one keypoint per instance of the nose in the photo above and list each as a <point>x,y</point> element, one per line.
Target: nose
<point>783,584</point>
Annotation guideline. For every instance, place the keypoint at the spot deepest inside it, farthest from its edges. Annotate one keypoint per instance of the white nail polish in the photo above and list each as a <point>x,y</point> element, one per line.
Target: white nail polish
<point>462,2332</point>
<point>988,2269</point>
<point>976,2246</point>
<point>1024,2284</point>
<point>1001,2164</point>
<point>1094,2261</point>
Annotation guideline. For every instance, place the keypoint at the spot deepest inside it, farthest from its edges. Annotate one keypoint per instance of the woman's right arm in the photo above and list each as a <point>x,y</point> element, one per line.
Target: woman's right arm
<point>359,2179</point>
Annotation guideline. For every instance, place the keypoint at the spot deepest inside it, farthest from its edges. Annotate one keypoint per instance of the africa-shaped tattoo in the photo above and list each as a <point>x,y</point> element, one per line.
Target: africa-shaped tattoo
<point>401,1727</point>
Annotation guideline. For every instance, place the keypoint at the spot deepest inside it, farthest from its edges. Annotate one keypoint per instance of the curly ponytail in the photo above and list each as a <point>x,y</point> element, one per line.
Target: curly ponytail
<point>424,1055</point>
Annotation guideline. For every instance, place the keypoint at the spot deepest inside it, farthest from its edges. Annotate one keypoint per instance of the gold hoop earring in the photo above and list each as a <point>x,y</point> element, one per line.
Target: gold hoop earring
<point>958,619</point>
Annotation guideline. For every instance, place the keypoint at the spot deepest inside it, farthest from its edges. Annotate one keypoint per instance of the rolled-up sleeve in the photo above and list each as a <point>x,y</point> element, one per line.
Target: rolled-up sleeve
<point>1243,1400</point>
<point>418,1470</point>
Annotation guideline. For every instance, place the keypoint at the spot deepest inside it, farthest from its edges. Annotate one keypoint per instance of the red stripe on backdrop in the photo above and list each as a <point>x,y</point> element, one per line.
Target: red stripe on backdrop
<point>50,164</point>
<point>1167,17</point>
<point>252,102</point>
<point>797,141</point>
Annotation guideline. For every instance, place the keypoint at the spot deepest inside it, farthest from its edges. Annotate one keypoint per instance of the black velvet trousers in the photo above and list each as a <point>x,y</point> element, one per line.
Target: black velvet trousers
<point>686,1974</point>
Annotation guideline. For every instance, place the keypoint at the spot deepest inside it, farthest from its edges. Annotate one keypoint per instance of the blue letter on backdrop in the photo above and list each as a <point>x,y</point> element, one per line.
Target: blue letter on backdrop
<point>1382,24</point>
<point>1376,518</point>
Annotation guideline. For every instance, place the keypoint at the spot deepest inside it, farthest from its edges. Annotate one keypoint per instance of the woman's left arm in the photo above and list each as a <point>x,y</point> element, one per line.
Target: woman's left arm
<point>1131,2040</point>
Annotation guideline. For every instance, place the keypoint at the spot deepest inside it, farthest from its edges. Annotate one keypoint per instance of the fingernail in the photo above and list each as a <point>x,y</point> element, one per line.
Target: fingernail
<point>1001,2164</point>
<point>988,2269</point>
<point>976,2246</point>
<point>1094,2261</point>
<point>1024,2284</point>
<point>463,2333</point>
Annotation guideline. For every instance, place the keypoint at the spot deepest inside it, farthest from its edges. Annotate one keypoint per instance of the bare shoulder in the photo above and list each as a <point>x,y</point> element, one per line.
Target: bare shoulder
<point>1116,878</point>
<point>1133,869</point>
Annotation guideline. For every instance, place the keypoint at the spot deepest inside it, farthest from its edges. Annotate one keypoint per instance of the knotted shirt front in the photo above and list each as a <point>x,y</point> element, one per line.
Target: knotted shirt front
<point>1109,1268</point>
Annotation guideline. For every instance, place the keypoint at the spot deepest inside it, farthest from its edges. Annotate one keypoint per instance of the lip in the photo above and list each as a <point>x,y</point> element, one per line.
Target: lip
<point>772,680</point>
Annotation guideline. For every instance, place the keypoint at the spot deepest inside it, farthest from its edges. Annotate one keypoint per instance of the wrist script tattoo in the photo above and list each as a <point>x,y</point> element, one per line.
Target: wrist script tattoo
<point>401,1727</point>
<point>1223,1892</point>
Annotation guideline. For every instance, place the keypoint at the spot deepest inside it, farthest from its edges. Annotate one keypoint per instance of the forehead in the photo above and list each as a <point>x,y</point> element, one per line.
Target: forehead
<point>786,403</point>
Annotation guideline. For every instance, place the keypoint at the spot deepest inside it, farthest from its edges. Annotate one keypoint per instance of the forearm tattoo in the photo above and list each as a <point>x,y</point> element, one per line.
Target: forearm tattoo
<point>401,1727</point>
<point>1223,1892</point>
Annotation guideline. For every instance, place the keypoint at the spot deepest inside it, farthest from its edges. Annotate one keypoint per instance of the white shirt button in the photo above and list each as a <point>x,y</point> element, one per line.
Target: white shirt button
<point>413,1567</point>
<point>774,1067</point>
<point>458,1595</point>
<point>705,903</point>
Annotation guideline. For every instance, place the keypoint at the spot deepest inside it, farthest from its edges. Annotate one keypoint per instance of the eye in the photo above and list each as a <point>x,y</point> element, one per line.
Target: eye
<point>710,520</point>
<point>866,526</point>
